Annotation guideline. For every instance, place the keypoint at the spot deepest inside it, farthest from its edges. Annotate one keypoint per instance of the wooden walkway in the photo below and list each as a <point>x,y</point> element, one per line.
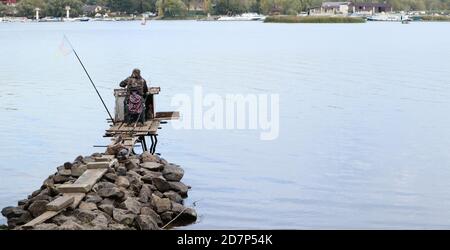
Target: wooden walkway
<point>149,128</point>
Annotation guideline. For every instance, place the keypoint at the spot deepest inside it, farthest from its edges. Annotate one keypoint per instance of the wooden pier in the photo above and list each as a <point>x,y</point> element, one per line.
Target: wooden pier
<point>131,134</point>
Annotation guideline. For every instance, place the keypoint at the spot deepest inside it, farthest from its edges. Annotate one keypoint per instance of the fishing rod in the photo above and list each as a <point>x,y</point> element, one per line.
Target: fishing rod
<point>90,79</point>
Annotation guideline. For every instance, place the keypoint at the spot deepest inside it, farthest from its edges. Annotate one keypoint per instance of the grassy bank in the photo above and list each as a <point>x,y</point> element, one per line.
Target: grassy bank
<point>313,19</point>
<point>436,18</point>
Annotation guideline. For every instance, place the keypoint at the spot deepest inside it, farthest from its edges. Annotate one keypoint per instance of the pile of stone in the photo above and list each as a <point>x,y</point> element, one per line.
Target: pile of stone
<point>143,192</point>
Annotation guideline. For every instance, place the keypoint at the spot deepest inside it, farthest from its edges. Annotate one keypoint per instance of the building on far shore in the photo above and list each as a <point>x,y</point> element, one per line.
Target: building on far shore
<point>370,8</point>
<point>91,10</point>
<point>345,8</point>
<point>333,8</point>
<point>9,2</point>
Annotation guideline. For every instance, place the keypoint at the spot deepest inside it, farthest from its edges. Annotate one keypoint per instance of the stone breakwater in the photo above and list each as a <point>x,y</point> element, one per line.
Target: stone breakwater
<point>144,192</point>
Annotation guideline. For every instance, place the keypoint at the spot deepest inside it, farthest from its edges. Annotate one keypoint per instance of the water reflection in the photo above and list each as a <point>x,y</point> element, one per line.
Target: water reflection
<point>364,131</point>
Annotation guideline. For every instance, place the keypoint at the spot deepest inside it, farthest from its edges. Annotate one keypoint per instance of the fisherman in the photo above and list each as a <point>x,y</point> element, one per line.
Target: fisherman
<point>137,92</point>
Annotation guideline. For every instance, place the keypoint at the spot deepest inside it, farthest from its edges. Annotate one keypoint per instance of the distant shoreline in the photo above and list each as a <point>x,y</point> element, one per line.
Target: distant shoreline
<point>314,19</point>
<point>268,19</point>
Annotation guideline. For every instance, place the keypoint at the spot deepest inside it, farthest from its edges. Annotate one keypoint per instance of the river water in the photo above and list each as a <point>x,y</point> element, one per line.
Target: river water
<point>364,128</point>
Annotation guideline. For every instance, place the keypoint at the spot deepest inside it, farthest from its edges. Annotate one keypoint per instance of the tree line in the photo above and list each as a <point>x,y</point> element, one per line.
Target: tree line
<point>200,7</point>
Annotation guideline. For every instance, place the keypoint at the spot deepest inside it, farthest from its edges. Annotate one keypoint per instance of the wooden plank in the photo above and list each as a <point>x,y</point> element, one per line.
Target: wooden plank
<point>74,188</point>
<point>41,218</point>
<point>154,127</point>
<point>77,197</point>
<point>171,115</point>
<point>97,165</point>
<point>90,176</point>
<point>60,203</point>
<point>102,164</point>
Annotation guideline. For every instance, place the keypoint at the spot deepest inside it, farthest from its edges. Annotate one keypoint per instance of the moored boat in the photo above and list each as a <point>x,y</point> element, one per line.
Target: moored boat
<point>243,17</point>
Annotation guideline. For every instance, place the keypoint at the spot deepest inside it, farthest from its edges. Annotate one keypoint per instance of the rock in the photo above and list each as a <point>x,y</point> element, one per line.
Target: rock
<point>38,207</point>
<point>179,187</point>
<point>67,165</point>
<point>187,217</point>
<point>161,184</point>
<point>123,216</point>
<point>122,181</point>
<point>78,170</point>
<point>131,204</point>
<point>79,159</point>
<point>159,194</point>
<point>85,216</point>
<point>103,184</point>
<point>65,172</point>
<point>177,208</point>
<point>40,197</point>
<point>58,179</point>
<point>167,216</point>
<point>163,205</point>
<point>96,155</point>
<point>123,153</point>
<point>53,191</point>
<point>147,157</point>
<point>163,161</point>
<point>46,226</point>
<point>121,171</point>
<point>172,172</point>
<point>22,202</point>
<point>107,208</point>
<point>132,174</point>
<point>100,222</point>
<point>71,225</point>
<point>94,198</point>
<point>152,166</point>
<point>146,222</point>
<point>110,177</point>
<point>87,206</point>
<point>113,193</point>
<point>108,201</point>
<point>148,177</point>
<point>16,216</point>
<point>59,168</point>
<point>48,182</point>
<point>135,189</point>
<point>150,212</point>
<point>173,196</point>
<point>145,194</point>
<point>117,227</point>
<point>60,219</point>
<point>132,164</point>
<point>12,212</point>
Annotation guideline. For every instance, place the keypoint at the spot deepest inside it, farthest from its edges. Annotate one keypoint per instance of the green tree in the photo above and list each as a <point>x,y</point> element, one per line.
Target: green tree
<point>3,9</point>
<point>207,6</point>
<point>57,8</point>
<point>171,8</point>
<point>27,8</point>
<point>121,5</point>
<point>230,7</point>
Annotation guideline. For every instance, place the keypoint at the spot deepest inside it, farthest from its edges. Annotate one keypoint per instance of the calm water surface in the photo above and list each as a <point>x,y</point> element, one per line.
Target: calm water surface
<point>364,128</point>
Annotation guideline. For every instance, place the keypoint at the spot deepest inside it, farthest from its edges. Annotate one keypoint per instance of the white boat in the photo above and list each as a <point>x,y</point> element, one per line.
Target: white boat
<point>243,17</point>
<point>385,18</point>
<point>50,19</point>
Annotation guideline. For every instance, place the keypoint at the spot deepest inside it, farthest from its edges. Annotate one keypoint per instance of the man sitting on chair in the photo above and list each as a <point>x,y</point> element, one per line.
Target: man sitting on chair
<point>137,91</point>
